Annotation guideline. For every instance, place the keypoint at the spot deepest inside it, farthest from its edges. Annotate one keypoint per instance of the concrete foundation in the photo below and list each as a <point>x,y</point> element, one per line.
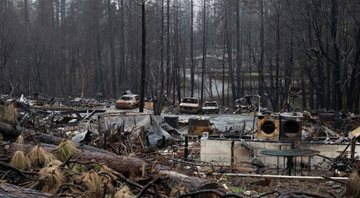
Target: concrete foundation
<point>219,151</point>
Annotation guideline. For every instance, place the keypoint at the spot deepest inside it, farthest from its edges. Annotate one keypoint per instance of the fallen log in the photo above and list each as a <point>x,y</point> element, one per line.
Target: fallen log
<point>122,164</point>
<point>129,167</point>
<point>47,139</point>
<point>181,184</point>
<point>209,193</point>
<point>177,180</point>
<point>38,137</point>
<point>7,130</point>
<point>13,191</point>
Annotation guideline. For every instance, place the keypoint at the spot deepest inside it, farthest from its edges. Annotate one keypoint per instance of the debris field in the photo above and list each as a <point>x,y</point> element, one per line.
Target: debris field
<point>64,147</point>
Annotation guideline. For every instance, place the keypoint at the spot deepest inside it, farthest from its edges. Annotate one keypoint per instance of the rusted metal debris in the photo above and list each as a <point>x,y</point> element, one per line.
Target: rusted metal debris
<point>325,126</point>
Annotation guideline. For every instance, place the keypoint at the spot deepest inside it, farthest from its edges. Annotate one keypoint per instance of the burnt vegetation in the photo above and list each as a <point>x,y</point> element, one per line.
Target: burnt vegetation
<point>86,67</point>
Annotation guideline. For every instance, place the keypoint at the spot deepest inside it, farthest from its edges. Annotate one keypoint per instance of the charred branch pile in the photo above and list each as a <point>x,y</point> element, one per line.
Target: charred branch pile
<point>45,161</point>
<point>66,169</point>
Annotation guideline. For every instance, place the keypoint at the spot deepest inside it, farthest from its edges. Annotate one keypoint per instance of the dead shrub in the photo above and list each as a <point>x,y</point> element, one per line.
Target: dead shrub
<point>65,149</point>
<point>124,192</point>
<point>19,160</point>
<point>93,183</point>
<point>8,114</point>
<point>39,157</point>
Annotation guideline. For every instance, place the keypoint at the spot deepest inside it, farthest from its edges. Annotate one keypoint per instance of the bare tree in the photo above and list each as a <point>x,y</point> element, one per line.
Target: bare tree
<point>239,85</point>
<point>204,53</point>
<point>192,64</point>
<point>114,82</point>
<point>143,56</point>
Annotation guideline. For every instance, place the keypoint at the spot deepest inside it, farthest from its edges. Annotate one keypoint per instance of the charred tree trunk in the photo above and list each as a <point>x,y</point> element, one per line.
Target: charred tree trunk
<point>168,84</point>
<point>204,54</point>
<point>223,69</point>
<point>57,13</point>
<point>112,50</point>
<point>262,49</point>
<point>289,69</point>
<point>159,104</point>
<point>99,74</point>
<point>122,46</point>
<point>192,64</point>
<point>229,51</point>
<point>249,58</point>
<point>336,86</point>
<point>62,10</point>
<point>303,90</point>
<point>238,52</point>
<point>177,54</point>
<point>27,18</point>
<point>143,57</point>
<point>277,61</point>
<point>353,89</point>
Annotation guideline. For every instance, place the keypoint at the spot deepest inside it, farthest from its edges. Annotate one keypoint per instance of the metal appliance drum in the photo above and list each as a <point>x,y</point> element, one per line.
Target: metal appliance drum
<point>291,125</point>
<point>267,127</point>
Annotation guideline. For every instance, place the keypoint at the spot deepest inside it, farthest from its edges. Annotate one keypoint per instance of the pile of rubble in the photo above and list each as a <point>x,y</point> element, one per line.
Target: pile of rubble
<point>77,147</point>
<point>332,127</point>
<point>56,147</point>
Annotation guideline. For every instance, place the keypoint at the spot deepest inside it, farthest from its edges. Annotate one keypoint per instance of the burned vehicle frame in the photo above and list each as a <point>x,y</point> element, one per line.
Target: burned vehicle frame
<point>190,105</point>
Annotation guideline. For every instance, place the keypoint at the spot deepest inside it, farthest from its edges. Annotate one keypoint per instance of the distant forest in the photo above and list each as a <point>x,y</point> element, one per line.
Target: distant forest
<point>298,54</point>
